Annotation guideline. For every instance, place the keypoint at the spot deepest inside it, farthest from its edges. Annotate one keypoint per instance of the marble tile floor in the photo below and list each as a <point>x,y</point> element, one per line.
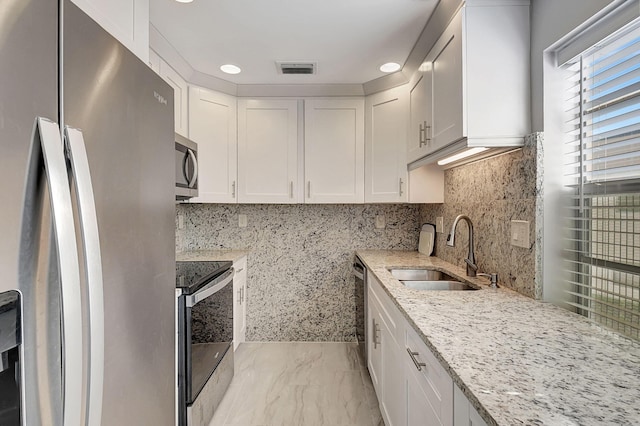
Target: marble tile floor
<point>299,384</point>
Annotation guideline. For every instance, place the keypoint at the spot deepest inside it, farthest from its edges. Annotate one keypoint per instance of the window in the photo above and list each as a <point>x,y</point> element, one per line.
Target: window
<point>602,182</point>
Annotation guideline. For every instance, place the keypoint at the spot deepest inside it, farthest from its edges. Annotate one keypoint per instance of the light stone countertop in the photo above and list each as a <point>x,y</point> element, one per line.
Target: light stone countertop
<point>211,255</point>
<point>518,360</point>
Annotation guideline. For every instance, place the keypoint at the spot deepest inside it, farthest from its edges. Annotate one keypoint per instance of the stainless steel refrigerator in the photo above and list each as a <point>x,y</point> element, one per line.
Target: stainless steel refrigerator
<point>86,222</point>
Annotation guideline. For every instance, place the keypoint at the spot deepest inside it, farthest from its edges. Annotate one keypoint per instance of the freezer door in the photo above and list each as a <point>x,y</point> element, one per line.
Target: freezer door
<point>125,113</point>
<point>28,89</point>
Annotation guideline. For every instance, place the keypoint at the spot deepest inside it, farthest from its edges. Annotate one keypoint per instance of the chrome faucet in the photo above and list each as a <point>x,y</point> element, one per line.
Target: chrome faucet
<point>472,267</point>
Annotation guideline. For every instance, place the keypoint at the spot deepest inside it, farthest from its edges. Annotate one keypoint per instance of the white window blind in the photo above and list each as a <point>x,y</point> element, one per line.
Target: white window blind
<point>602,180</point>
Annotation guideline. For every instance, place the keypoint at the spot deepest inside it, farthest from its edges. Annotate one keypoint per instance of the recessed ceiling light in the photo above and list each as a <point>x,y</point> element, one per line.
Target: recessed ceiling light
<point>390,67</point>
<point>230,69</point>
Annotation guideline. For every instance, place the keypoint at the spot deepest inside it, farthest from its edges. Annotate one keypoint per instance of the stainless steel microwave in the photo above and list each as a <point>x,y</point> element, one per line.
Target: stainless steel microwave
<point>186,168</point>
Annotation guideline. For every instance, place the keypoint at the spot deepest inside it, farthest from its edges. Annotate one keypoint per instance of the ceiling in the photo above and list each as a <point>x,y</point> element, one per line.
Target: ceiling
<point>348,39</point>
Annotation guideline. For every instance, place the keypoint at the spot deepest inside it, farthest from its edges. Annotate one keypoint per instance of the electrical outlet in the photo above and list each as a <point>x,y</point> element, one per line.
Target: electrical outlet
<point>180,221</point>
<point>242,220</point>
<point>440,224</point>
<point>520,233</point>
<point>380,222</point>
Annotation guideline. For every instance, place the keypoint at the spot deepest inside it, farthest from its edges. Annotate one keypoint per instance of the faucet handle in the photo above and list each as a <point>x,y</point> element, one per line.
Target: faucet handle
<point>472,265</point>
<point>492,277</point>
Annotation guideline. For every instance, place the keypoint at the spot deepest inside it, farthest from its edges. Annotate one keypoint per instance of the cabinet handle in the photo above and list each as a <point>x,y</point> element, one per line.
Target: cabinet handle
<point>422,142</point>
<point>239,270</point>
<point>308,189</point>
<point>426,127</point>
<point>376,330</point>
<point>400,187</point>
<point>233,189</point>
<point>239,296</point>
<point>413,355</point>
<point>291,189</point>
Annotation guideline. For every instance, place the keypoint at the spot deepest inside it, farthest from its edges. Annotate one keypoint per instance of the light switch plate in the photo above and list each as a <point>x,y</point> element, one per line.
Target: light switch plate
<point>439,224</point>
<point>520,233</point>
<point>380,222</point>
<point>242,220</point>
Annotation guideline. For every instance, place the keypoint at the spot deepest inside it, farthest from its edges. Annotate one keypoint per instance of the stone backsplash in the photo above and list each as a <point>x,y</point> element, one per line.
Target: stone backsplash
<point>300,282</point>
<point>492,192</point>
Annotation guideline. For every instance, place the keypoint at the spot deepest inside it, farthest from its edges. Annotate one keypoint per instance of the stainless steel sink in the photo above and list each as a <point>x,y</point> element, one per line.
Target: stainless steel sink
<point>437,285</point>
<point>428,279</point>
<point>420,275</point>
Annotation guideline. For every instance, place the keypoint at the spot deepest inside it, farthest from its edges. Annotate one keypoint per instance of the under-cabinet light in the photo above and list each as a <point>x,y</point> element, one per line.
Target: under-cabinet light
<point>184,1</point>
<point>459,156</point>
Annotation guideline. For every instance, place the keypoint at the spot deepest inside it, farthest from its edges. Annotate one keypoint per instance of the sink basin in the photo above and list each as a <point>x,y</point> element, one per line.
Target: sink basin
<point>428,279</point>
<point>420,275</point>
<point>437,285</point>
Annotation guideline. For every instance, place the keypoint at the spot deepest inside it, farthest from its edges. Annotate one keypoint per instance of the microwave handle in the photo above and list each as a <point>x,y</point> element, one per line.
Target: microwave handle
<point>194,178</point>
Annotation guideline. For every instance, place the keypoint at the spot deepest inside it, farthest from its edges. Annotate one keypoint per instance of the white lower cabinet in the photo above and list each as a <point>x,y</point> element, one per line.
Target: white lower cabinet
<point>429,387</point>
<point>239,301</point>
<point>412,387</point>
<point>465,414</point>
<point>385,358</point>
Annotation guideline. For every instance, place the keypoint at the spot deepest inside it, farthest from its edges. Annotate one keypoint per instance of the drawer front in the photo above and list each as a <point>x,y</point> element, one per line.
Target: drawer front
<point>432,377</point>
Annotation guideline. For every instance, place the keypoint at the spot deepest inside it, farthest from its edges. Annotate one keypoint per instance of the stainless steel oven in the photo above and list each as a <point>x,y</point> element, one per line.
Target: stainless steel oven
<point>205,331</point>
<point>186,168</point>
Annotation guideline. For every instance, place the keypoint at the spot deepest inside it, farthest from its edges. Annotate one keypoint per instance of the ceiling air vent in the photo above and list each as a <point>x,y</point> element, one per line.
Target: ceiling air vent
<point>296,67</point>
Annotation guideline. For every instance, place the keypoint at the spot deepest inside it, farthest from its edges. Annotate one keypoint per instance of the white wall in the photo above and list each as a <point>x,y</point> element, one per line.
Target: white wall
<point>550,21</point>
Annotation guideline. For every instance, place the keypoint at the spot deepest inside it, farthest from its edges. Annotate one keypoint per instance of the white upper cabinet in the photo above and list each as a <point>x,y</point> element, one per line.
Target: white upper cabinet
<point>154,61</point>
<point>213,126</point>
<point>420,115</point>
<point>385,173</point>
<point>445,62</point>
<point>473,86</point>
<point>126,20</point>
<point>268,151</point>
<point>334,151</point>
<point>180,98</point>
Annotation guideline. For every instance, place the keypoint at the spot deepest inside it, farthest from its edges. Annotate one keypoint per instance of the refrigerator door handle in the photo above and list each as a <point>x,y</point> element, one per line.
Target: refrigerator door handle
<point>50,143</point>
<point>77,154</point>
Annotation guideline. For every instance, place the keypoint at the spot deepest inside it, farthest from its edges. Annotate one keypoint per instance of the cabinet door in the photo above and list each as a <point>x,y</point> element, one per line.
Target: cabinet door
<point>180,97</point>
<point>126,20</point>
<point>446,65</point>
<point>240,302</point>
<point>419,410</point>
<point>154,61</point>
<point>213,126</point>
<point>435,383</point>
<point>464,413</point>
<point>393,382</point>
<point>385,163</point>
<point>267,151</point>
<point>374,354</point>
<point>420,114</point>
<point>334,151</point>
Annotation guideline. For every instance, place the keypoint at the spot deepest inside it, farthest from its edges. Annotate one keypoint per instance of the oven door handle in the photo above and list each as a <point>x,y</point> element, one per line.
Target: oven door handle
<point>214,286</point>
